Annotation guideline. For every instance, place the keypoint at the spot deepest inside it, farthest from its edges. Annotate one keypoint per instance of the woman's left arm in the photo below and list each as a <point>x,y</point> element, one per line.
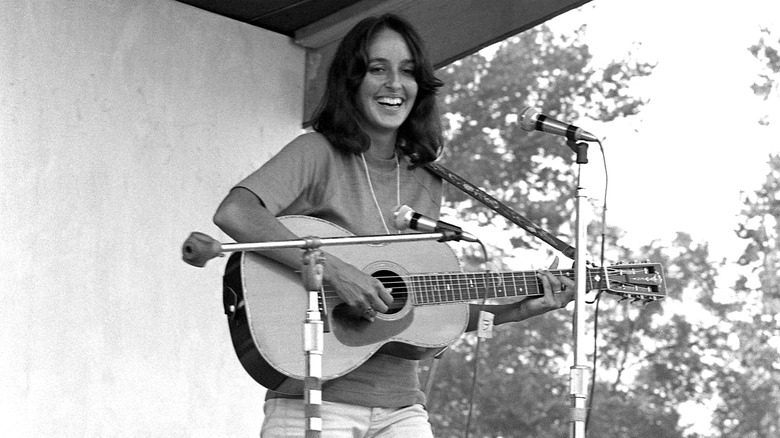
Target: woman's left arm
<point>558,292</point>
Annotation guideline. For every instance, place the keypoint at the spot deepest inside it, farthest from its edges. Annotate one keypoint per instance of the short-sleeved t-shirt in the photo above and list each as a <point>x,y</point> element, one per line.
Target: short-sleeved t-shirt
<point>310,177</point>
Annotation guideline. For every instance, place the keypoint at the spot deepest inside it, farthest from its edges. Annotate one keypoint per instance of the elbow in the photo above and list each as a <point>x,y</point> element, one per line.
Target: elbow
<point>227,212</point>
<point>238,208</point>
<point>220,218</point>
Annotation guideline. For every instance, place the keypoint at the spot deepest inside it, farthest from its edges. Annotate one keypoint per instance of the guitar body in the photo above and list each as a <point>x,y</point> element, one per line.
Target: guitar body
<point>266,303</point>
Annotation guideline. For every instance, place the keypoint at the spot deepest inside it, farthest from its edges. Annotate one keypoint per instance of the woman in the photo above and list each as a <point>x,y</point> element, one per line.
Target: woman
<point>378,122</point>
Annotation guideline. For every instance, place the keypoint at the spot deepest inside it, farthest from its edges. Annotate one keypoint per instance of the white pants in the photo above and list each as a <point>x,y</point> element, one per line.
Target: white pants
<point>286,418</point>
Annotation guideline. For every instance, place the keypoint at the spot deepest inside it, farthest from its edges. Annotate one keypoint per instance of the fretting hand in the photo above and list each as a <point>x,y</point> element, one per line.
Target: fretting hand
<point>558,292</point>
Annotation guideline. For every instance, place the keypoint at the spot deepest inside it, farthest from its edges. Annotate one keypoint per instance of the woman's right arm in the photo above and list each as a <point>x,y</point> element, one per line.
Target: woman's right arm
<point>243,217</point>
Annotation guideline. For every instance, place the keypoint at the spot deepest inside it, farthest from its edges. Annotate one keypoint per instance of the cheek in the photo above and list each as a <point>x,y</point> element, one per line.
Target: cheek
<point>412,91</point>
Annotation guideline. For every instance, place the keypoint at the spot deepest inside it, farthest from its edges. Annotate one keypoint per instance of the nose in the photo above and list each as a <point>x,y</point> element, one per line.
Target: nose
<point>393,79</point>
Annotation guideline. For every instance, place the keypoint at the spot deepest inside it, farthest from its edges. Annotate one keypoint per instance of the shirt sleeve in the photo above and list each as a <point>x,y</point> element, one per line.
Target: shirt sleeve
<point>287,178</point>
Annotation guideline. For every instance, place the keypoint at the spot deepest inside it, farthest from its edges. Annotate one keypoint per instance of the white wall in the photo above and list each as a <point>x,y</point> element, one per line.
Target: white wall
<point>122,125</point>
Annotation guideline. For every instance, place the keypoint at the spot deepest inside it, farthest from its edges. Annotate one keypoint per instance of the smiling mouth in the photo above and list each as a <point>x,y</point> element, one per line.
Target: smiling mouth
<point>390,102</point>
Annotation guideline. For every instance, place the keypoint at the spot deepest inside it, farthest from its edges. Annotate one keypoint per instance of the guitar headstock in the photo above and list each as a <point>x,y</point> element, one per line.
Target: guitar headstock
<point>636,281</point>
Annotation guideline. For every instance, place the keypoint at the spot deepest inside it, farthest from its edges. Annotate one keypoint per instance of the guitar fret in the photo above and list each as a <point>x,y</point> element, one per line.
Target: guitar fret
<point>434,290</point>
<point>431,289</point>
<point>497,282</point>
<point>525,284</point>
<point>426,293</point>
<point>414,286</point>
<point>473,287</point>
<point>514,284</point>
<point>450,287</point>
<point>460,287</point>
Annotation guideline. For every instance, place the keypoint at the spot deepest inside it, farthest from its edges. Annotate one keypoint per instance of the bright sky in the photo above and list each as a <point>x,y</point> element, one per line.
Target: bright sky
<point>681,163</point>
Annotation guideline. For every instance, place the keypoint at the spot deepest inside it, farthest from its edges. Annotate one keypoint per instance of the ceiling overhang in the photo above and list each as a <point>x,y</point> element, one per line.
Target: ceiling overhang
<point>451,29</point>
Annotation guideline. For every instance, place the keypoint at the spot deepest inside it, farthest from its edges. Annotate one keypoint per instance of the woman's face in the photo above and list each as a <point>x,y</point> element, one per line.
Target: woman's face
<point>388,90</point>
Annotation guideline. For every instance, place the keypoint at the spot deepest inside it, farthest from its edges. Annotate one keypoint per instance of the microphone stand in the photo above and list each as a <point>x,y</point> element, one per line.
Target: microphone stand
<point>578,381</point>
<point>199,248</point>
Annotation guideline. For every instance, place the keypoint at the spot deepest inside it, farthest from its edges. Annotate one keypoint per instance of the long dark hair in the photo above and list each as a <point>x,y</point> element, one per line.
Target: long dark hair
<point>338,116</point>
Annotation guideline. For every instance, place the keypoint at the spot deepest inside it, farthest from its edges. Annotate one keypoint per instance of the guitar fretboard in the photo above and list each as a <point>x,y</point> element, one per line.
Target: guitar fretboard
<point>465,286</point>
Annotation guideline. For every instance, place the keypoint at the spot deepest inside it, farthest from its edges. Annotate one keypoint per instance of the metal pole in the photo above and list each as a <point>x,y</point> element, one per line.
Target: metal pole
<point>313,340</point>
<point>578,377</point>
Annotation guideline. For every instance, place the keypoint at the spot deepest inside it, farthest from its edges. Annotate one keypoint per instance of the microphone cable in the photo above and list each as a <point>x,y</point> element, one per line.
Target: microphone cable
<point>597,300</point>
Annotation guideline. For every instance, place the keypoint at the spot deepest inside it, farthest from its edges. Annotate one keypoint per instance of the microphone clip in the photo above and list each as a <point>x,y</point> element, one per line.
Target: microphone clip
<point>450,235</point>
<point>579,148</point>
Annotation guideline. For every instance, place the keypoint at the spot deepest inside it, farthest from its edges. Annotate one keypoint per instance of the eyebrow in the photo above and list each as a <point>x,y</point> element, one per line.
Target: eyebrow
<point>404,61</point>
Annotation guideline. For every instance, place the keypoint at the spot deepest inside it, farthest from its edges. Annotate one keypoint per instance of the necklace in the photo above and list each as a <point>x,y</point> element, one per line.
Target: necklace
<point>397,189</point>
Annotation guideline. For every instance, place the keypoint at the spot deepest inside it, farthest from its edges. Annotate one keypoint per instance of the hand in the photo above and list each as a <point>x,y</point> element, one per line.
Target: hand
<point>558,292</point>
<point>365,295</point>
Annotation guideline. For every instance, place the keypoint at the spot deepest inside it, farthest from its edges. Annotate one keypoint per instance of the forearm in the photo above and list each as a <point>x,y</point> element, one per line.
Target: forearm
<point>243,217</point>
<point>504,313</point>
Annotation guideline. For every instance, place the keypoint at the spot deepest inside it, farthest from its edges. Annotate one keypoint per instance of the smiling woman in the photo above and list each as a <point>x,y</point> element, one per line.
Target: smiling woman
<point>377,124</point>
<point>383,52</point>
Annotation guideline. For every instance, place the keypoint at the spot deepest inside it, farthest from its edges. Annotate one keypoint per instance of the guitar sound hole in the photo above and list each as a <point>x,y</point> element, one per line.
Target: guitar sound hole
<point>391,280</point>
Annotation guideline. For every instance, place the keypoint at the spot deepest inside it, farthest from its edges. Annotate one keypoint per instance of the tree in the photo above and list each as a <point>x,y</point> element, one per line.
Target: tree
<point>749,386</point>
<point>523,370</point>
<point>767,51</point>
<point>708,344</point>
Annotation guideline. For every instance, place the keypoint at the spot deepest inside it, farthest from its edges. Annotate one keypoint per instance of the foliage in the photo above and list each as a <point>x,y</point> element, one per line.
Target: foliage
<point>484,97</point>
<point>767,51</point>
<point>750,385</point>
<point>710,344</point>
<point>525,366</point>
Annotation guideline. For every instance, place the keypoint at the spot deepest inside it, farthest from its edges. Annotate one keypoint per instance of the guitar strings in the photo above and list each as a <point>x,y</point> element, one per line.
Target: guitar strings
<point>460,284</point>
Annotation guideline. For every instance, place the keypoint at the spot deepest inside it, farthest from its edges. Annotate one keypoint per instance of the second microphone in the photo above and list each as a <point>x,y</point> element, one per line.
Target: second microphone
<point>407,218</point>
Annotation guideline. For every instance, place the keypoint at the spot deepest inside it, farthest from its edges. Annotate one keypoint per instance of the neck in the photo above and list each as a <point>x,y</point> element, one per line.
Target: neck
<point>382,145</point>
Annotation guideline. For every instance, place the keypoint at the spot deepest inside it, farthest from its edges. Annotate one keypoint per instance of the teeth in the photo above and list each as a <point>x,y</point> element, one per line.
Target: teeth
<point>390,100</point>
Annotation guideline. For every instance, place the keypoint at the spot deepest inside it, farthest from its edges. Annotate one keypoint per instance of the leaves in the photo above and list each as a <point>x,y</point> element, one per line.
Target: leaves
<point>712,345</point>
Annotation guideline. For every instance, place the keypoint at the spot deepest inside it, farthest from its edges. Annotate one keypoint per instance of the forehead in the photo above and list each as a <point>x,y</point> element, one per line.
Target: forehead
<point>389,44</point>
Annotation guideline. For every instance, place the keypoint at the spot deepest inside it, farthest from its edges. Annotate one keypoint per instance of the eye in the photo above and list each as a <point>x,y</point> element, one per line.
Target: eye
<point>376,69</point>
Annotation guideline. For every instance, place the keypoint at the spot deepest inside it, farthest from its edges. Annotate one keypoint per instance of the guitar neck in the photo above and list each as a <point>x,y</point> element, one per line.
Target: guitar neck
<point>460,287</point>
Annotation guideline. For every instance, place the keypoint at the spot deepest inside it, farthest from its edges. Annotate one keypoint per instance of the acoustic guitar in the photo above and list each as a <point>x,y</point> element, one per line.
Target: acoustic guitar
<point>266,304</point>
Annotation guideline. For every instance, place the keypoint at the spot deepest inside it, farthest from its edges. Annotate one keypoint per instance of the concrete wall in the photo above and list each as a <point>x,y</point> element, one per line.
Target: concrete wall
<point>122,126</point>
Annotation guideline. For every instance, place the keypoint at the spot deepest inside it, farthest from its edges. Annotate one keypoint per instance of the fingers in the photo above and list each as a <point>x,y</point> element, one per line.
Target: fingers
<point>558,290</point>
<point>385,297</point>
<point>567,283</point>
<point>550,283</point>
<point>378,303</point>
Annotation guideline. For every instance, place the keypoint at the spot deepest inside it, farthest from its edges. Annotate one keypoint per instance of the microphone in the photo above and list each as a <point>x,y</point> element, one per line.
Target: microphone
<point>532,120</point>
<point>406,218</point>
